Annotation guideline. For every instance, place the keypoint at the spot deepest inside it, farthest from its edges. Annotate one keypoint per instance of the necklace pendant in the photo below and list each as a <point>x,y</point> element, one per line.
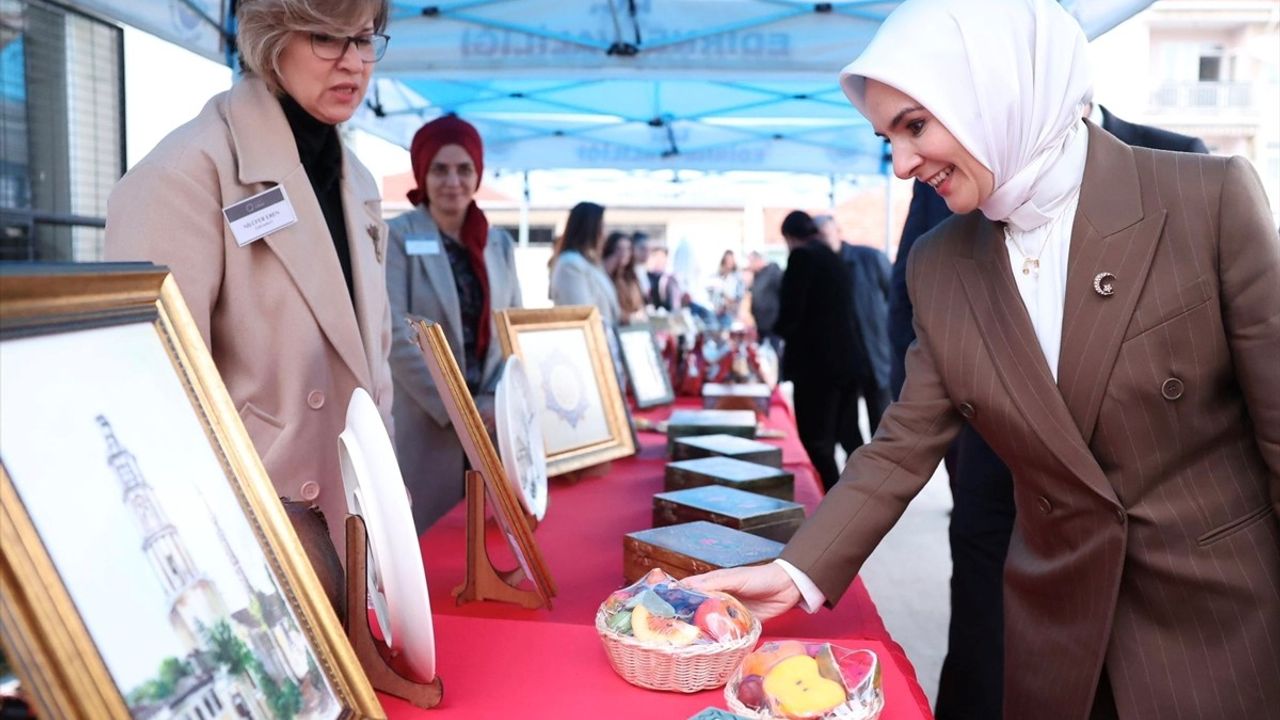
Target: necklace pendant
<point>1031,266</point>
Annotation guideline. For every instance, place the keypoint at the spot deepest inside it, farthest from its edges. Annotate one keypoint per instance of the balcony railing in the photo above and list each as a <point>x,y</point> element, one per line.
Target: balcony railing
<point>1202,96</point>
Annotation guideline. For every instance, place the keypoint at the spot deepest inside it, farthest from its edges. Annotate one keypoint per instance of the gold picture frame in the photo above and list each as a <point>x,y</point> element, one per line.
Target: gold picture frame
<point>566,354</point>
<point>645,366</point>
<point>464,415</point>
<point>212,599</point>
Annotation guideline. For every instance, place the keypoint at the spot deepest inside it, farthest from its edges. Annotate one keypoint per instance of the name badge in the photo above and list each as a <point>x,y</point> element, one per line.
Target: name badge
<point>421,245</point>
<point>258,216</point>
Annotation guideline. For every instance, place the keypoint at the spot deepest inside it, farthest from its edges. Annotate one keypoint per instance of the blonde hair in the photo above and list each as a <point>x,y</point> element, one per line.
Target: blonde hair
<point>264,27</point>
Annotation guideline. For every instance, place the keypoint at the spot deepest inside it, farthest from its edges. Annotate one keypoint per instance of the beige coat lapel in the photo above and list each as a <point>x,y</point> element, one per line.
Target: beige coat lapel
<point>1111,235</point>
<point>367,236</point>
<point>267,152</point>
<point>1011,342</point>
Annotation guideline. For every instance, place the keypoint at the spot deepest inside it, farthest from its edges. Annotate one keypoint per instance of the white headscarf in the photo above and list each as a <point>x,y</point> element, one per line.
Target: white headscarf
<point>1009,78</point>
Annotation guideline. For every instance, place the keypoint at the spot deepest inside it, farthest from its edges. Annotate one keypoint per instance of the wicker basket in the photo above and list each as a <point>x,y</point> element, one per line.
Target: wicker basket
<point>688,669</point>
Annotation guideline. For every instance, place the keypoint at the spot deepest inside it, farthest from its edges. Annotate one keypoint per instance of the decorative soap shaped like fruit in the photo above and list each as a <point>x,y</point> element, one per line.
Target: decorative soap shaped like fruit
<point>657,610</point>
<point>807,681</point>
<point>796,688</point>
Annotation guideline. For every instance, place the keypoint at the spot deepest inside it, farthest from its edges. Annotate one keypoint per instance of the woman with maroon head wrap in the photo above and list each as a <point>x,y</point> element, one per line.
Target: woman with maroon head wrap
<point>446,264</point>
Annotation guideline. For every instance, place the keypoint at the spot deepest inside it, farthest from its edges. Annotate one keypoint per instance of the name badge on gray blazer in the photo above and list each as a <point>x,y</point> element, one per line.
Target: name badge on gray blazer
<point>260,215</point>
<point>422,244</point>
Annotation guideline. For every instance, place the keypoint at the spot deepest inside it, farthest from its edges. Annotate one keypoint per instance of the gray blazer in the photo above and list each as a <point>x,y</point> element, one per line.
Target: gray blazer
<point>869,273</point>
<point>575,280</point>
<point>430,455</point>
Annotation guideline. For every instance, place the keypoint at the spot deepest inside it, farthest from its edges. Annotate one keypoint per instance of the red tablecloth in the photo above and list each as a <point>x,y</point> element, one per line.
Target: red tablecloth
<point>500,660</point>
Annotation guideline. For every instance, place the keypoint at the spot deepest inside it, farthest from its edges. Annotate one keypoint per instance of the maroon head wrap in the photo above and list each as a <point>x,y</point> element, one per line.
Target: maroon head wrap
<point>452,130</point>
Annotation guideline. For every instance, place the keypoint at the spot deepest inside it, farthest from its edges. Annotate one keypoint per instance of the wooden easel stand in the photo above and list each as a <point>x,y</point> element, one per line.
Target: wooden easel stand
<point>373,654</point>
<point>484,581</point>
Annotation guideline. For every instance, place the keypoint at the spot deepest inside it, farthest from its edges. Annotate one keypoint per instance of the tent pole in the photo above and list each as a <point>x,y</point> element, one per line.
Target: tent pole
<point>524,212</point>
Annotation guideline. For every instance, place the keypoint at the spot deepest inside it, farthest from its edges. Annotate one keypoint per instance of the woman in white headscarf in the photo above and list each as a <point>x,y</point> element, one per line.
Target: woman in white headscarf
<point>1108,319</point>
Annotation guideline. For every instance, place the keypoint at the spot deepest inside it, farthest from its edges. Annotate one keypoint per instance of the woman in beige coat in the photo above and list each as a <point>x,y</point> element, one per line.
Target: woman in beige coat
<point>295,314</point>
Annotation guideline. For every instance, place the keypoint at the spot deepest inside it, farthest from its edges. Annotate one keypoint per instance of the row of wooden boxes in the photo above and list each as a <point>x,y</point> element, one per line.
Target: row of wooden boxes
<point>727,502</point>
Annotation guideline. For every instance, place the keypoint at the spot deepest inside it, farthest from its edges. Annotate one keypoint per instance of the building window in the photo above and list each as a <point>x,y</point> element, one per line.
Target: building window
<point>538,234</point>
<point>1210,68</point>
<point>61,130</point>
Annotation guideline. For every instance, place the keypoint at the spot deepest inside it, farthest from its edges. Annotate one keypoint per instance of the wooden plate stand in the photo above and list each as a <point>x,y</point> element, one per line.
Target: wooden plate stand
<point>373,654</point>
<point>484,581</point>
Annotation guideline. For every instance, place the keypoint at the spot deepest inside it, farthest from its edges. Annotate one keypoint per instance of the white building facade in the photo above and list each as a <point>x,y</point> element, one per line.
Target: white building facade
<point>1208,68</point>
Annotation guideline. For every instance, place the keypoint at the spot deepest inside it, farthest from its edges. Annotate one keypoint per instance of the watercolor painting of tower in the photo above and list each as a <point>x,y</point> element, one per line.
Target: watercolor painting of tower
<point>144,523</point>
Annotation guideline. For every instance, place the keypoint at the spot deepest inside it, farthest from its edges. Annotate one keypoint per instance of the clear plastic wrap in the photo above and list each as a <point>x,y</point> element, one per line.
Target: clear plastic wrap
<point>806,681</point>
<point>660,612</point>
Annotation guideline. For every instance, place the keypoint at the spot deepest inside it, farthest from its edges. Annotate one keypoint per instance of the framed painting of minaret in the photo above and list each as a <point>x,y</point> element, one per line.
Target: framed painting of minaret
<point>147,568</point>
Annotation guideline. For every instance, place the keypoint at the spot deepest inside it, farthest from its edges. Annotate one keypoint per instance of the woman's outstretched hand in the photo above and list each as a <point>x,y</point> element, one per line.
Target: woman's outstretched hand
<point>766,590</point>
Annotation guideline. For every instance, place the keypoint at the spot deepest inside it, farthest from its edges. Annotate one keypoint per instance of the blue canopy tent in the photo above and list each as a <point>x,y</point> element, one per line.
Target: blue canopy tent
<point>675,84</point>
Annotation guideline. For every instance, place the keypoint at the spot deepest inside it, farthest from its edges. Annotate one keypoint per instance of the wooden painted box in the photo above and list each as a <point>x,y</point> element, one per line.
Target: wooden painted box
<point>737,396</point>
<point>749,512</point>
<point>683,423</point>
<point>692,548</point>
<point>738,448</point>
<point>751,477</point>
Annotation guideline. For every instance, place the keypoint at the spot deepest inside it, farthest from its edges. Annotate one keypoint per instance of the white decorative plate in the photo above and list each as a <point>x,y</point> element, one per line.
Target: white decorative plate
<point>376,492</point>
<point>520,438</point>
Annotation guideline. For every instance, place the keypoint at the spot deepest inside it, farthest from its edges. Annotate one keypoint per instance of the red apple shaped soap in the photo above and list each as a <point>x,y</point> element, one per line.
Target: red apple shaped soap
<point>722,617</point>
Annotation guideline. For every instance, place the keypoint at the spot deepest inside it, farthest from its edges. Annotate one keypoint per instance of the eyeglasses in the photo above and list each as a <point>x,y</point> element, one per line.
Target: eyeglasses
<point>370,48</point>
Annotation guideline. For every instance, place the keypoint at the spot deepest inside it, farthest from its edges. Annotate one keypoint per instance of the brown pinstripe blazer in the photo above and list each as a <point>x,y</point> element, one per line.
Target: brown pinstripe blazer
<point>1147,480</point>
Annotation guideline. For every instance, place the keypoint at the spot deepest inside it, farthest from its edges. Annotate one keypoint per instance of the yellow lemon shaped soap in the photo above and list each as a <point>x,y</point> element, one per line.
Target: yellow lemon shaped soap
<point>795,689</point>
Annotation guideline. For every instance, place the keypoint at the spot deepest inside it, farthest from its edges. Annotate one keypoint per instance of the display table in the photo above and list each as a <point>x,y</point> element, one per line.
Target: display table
<point>499,660</point>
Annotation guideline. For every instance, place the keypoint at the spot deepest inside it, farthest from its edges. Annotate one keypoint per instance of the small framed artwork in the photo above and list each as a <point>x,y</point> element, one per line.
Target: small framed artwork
<point>645,367</point>
<point>482,456</point>
<point>147,568</point>
<point>566,356</point>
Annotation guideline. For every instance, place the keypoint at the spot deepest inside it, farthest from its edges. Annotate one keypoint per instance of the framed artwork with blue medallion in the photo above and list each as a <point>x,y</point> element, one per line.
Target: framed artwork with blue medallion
<point>579,402</point>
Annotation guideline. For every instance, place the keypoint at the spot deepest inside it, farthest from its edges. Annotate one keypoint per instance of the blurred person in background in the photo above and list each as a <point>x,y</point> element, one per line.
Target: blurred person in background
<point>577,275</point>
<point>640,261</point>
<point>447,264</point>
<point>664,289</point>
<point>726,289</point>
<point>822,352</point>
<point>869,272</point>
<point>618,263</point>
<point>766,287</point>
<point>295,315</point>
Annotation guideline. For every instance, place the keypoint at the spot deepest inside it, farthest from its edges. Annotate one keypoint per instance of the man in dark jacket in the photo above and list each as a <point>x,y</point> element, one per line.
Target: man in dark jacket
<point>972,681</point>
<point>823,351</point>
<point>868,270</point>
